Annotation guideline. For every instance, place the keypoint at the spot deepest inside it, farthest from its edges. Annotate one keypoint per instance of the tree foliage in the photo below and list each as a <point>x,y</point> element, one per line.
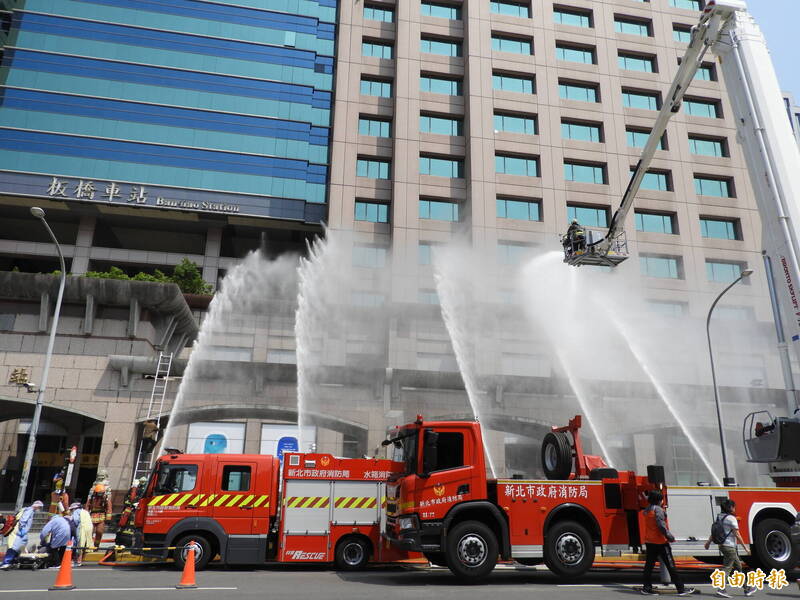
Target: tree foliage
<point>186,275</point>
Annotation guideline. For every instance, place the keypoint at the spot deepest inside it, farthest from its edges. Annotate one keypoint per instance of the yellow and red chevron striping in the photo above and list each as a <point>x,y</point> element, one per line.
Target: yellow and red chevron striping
<point>204,500</point>
<point>308,502</point>
<point>356,502</point>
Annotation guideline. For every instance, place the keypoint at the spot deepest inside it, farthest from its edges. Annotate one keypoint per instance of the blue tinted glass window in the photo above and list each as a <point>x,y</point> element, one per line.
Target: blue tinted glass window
<point>427,297</point>
<point>576,91</point>
<point>653,180</point>
<point>687,4</point>
<point>439,85</point>
<point>441,167</point>
<point>576,18</point>
<point>634,62</point>
<point>708,186</point>
<point>722,272</point>
<point>654,223</point>
<point>706,147</point>
<point>721,229</point>
<point>425,253</point>
<point>376,87</point>
<point>510,83</point>
<point>516,165</point>
<point>515,123</point>
<point>637,138</point>
<point>640,100</point>
<point>667,308</point>
<point>371,257</point>
<point>705,73</point>
<point>373,212</point>
<point>374,169</point>
<point>440,125</point>
<point>521,210</point>
<point>681,34</point>
<point>665,267</point>
<point>376,49</point>
<point>443,47</point>
<point>575,54</point>
<point>374,127</point>
<point>511,44</point>
<point>585,132</point>
<point>510,253</point>
<point>443,11</point>
<point>632,27</point>
<point>588,216</point>
<point>499,7</point>
<point>584,173</point>
<point>378,13</point>
<point>438,210</point>
<point>699,108</point>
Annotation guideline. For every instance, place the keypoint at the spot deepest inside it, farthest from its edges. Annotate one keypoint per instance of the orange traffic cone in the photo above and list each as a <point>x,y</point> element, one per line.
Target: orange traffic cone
<point>64,577</point>
<point>187,580</point>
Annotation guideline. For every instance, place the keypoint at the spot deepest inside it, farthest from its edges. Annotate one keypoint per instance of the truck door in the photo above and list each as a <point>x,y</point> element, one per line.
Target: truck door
<point>451,474</point>
<point>174,494</point>
<point>235,496</point>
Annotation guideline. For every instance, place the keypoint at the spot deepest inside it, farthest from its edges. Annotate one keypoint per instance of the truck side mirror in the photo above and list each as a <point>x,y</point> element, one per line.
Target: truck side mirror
<point>430,451</point>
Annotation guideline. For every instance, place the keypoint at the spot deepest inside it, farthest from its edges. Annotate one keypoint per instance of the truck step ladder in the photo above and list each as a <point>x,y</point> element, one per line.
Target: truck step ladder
<point>144,460</point>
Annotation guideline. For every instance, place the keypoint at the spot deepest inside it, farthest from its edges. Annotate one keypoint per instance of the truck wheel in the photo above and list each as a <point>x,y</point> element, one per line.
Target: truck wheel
<point>202,553</point>
<point>772,545</point>
<point>471,551</point>
<point>352,554</point>
<point>568,549</point>
<point>436,558</point>
<point>556,456</point>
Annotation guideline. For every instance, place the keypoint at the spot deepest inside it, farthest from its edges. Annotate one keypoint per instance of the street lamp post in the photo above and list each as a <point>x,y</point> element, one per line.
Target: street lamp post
<point>37,412</point>
<point>727,479</point>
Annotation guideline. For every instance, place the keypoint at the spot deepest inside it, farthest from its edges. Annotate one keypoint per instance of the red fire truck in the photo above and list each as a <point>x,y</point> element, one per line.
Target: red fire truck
<point>249,510</point>
<point>443,505</point>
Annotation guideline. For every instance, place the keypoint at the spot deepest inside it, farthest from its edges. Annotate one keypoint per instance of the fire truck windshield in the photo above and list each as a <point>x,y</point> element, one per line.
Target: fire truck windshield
<point>175,478</point>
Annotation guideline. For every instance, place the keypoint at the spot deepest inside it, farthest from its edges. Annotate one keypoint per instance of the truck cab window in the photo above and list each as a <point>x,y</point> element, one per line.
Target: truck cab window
<point>451,451</point>
<point>236,478</point>
<point>173,479</point>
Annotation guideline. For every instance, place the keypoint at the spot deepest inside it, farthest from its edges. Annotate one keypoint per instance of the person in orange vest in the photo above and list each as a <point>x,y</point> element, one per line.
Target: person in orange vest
<point>657,538</point>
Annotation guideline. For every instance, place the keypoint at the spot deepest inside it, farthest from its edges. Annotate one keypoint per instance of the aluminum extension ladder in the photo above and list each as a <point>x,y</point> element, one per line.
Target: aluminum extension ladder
<point>144,460</point>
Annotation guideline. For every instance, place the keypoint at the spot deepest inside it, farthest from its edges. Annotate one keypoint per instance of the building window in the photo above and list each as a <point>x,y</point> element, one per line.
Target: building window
<point>520,210</point>
<point>372,212</point>
<point>515,45</point>
<point>637,138</point>
<point>656,180</point>
<point>707,146</point>
<point>712,186</point>
<point>439,210</point>
<point>667,308</point>
<point>722,271</point>
<point>583,92</point>
<point>425,253</point>
<point>644,100</point>
<point>374,127</point>
<point>440,125</point>
<point>373,168</point>
<point>441,47</point>
<point>367,299</point>
<point>578,54</point>
<point>440,85</point>
<point>571,16</point>
<point>735,313</point>
<point>588,216</point>
<point>376,49</point>
<point>442,11</point>
<point>664,267</point>
<point>721,229</point>
<point>427,297</point>
<point>636,62</point>
<point>584,132</point>
<point>701,108</point>
<point>511,253</point>
<point>655,222</point>
<point>369,257</point>
<point>373,12</point>
<point>513,83</point>
<point>705,72</point>
<point>632,26</point>
<point>584,172</point>
<point>376,87</point>
<point>512,9</point>
<point>441,167</point>
<point>682,33</point>
<point>687,4</point>
<point>516,165</point>
<point>513,123</point>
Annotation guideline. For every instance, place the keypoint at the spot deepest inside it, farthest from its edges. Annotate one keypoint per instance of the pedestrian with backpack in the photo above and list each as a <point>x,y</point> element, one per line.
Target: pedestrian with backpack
<point>725,533</point>
<point>657,538</point>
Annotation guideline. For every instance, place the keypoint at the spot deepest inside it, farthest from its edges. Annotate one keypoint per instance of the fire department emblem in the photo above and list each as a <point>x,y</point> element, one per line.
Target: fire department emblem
<point>439,489</point>
<point>324,461</point>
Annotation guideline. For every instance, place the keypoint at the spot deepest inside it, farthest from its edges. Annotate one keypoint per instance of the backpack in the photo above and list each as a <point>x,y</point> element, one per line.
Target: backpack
<point>718,534</point>
<point>7,524</point>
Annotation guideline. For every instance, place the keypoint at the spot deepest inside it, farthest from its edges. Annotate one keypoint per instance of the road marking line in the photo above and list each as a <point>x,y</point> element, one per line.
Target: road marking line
<point>157,589</point>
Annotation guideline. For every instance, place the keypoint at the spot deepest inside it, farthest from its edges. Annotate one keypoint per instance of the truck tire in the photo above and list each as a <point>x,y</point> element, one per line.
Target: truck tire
<point>471,551</point>
<point>352,554</point>
<point>556,456</point>
<point>436,558</point>
<point>568,549</point>
<point>772,545</point>
<point>202,555</point>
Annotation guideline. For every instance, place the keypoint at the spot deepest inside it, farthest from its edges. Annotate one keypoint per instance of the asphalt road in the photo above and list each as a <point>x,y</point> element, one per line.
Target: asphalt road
<point>284,582</point>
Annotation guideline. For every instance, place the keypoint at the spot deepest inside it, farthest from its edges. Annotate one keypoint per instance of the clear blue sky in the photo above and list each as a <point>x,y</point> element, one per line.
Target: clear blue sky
<point>779,20</point>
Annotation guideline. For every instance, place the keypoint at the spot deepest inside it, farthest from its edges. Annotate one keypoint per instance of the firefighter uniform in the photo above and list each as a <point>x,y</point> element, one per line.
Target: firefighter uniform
<point>98,504</point>
<point>657,538</point>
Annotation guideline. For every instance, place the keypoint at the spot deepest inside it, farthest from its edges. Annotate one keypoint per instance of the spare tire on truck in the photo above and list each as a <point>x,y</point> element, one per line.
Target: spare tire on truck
<point>556,456</point>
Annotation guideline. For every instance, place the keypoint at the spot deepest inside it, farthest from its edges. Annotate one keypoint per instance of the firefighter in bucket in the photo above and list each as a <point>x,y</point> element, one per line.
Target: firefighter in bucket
<point>575,239</point>
<point>98,503</point>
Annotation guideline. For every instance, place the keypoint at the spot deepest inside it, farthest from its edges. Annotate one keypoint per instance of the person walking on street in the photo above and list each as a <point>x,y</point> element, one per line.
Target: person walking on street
<point>727,541</point>
<point>20,533</point>
<point>59,531</point>
<point>657,538</point>
<point>99,504</point>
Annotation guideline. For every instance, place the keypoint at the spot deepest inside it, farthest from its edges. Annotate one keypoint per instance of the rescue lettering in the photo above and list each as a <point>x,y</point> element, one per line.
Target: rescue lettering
<point>303,555</point>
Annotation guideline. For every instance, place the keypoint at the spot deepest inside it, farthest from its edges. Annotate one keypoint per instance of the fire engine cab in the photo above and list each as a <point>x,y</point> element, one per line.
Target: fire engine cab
<point>250,509</point>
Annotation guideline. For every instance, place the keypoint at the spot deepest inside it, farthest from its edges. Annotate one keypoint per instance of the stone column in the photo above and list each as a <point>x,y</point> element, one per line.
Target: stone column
<point>211,256</point>
<point>83,244</point>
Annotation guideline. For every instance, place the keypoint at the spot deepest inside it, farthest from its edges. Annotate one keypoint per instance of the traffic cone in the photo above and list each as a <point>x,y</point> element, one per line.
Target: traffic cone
<point>187,580</point>
<point>64,577</point>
